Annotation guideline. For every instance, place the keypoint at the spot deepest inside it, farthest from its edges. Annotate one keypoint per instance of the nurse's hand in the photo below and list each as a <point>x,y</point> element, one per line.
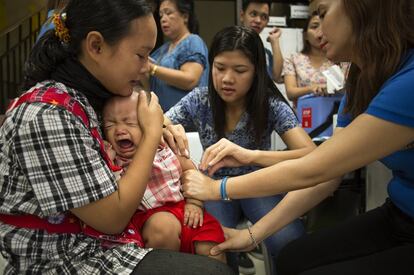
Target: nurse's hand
<point>224,153</point>
<point>236,240</point>
<point>198,186</point>
<point>177,140</point>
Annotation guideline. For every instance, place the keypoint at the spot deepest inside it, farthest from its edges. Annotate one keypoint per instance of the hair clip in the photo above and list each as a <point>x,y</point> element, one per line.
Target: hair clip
<point>61,31</point>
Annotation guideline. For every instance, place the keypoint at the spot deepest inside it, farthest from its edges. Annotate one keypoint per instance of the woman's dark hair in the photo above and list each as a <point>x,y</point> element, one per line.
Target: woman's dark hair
<point>382,35</point>
<point>306,45</point>
<point>185,7</point>
<point>111,18</point>
<point>249,43</point>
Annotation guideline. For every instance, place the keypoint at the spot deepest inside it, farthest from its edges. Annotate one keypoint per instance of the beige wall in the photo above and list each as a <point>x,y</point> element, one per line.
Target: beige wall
<point>214,16</point>
<point>12,11</point>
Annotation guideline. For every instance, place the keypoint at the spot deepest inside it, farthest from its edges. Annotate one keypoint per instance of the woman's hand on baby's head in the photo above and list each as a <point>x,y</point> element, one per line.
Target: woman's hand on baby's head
<point>150,114</point>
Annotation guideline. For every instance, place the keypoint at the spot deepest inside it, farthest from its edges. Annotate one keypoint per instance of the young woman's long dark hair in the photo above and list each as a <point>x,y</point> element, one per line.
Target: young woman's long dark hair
<point>249,43</point>
<point>382,34</point>
<point>109,17</point>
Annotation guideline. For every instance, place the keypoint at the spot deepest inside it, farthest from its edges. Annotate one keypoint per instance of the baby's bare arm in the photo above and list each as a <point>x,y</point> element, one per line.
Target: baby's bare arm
<point>187,164</point>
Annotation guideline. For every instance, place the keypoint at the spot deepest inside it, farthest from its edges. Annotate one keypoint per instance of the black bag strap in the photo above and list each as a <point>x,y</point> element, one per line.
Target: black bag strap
<point>328,122</point>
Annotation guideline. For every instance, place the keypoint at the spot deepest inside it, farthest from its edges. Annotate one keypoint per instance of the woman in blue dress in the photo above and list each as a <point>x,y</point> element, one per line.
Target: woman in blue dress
<point>242,105</point>
<point>180,64</point>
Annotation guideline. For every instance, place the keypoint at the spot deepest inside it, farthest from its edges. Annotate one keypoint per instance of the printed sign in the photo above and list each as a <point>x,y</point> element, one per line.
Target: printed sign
<point>299,11</point>
<point>307,117</point>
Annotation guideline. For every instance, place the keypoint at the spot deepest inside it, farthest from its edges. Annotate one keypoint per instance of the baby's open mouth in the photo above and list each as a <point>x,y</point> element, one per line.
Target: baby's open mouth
<point>125,144</point>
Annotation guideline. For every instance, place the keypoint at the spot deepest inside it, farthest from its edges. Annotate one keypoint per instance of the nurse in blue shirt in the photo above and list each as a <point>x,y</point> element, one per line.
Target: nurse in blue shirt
<point>180,64</point>
<point>376,123</point>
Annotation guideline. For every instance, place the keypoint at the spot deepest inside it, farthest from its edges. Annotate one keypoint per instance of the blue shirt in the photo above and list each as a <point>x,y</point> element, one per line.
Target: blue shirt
<point>194,111</point>
<point>191,49</point>
<point>395,103</point>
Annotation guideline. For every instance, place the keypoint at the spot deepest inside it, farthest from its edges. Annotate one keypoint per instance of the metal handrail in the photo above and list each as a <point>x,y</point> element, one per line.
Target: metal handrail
<point>18,23</point>
<point>12,60</point>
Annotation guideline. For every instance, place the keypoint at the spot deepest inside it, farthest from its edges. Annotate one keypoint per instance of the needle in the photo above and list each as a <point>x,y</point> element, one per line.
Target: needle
<point>197,164</point>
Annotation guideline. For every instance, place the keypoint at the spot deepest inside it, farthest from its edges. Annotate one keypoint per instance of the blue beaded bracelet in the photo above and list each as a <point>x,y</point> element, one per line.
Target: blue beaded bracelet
<point>223,191</point>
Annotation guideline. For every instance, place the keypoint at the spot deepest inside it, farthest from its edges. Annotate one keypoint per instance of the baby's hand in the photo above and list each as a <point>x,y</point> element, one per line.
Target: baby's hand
<point>193,215</point>
<point>109,150</point>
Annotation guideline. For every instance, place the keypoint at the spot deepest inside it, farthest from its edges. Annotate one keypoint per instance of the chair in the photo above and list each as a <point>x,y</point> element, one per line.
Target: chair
<point>194,144</point>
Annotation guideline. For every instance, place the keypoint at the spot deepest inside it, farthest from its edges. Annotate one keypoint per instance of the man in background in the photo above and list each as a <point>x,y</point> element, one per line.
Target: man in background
<point>255,15</point>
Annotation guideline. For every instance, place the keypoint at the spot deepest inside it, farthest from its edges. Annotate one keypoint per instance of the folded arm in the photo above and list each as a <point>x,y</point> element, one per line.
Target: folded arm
<point>186,78</point>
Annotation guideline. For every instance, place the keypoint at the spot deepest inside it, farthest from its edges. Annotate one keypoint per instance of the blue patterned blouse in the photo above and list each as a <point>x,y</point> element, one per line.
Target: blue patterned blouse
<point>191,49</point>
<point>194,111</point>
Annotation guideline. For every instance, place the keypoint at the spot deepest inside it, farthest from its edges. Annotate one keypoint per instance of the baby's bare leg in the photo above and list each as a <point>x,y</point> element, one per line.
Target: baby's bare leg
<point>162,230</point>
<point>203,248</point>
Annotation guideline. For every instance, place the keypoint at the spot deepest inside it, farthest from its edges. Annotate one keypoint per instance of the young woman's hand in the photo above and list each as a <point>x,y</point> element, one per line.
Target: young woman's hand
<point>177,140</point>
<point>193,215</point>
<point>319,90</point>
<point>150,115</point>
<point>224,153</point>
<point>198,186</point>
<point>236,240</point>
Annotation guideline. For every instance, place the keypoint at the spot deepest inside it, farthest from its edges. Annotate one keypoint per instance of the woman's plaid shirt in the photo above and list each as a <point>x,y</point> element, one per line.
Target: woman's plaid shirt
<point>49,163</point>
